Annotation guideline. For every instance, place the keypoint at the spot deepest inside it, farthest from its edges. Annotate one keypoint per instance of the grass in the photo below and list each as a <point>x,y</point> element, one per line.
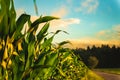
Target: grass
<point>110,70</point>
<point>92,76</point>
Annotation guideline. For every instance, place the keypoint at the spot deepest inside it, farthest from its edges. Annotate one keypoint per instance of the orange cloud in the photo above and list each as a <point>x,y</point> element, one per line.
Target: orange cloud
<point>64,22</point>
<point>101,33</point>
<point>61,12</point>
<point>112,33</point>
<point>117,28</point>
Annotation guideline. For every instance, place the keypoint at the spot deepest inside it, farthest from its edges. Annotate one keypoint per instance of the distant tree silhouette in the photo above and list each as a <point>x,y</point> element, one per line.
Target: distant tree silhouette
<point>107,56</point>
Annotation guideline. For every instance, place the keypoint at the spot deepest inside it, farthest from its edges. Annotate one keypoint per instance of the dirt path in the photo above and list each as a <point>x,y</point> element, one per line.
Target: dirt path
<point>108,76</point>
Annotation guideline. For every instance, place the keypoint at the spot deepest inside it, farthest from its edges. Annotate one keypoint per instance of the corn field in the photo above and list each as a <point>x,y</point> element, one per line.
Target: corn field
<point>33,57</point>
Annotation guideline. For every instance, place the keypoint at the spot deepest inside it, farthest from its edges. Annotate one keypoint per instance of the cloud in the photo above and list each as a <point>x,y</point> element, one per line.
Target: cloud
<point>88,6</point>
<point>60,22</point>
<point>64,22</point>
<point>55,24</point>
<point>84,42</point>
<point>102,33</point>
<point>104,37</point>
<point>117,28</point>
<point>61,12</point>
<point>112,33</point>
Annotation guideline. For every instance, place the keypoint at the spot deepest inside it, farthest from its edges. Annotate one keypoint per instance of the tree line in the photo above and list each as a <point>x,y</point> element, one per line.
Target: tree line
<point>100,57</point>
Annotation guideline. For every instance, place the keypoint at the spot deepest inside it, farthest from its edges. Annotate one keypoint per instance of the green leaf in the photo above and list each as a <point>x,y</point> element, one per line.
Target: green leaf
<point>12,15</point>
<point>4,28</point>
<point>51,58</point>
<point>16,64</point>
<point>42,32</point>
<point>20,24</point>
<point>63,43</point>
<point>30,57</point>
<point>41,59</point>
<point>58,31</point>
<point>31,37</point>
<point>2,73</point>
<point>61,72</point>
<point>35,6</point>
<point>7,4</point>
<point>40,66</point>
<point>66,54</point>
<point>47,43</point>
<point>43,19</point>
<point>2,10</point>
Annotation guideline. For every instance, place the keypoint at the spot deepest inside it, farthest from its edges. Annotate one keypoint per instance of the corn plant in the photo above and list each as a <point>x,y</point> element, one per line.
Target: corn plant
<point>69,67</point>
<point>29,56</point>
<point>24,56</point>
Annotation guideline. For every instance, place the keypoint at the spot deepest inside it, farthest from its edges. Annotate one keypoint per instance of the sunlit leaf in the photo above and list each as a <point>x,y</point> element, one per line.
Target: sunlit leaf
<point>43,19</point>
<point>20,24</point>
<point>50,59</point>
<point>41,59</point>
<point>61,72</point>
<point>63,43</point>
<point>47,44</point>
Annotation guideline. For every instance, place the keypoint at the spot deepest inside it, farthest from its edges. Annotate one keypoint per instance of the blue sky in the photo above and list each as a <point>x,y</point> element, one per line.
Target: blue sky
<point>88,22</point>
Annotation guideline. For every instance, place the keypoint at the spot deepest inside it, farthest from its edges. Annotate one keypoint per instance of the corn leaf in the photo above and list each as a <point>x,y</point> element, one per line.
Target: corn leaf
<point>35,6</point>
<point>42,32</point>
<point>4,28</point>
<point>41,59</point>
<point>30,57</point>
<point>66,54</point>
<point>16,68</point>
<point>42,20</point>
<point>47,44</point>
<point>20,24</point>
<point>2,10</point>
<point>12,15</point>
<point>63,43</point>
<point>50,59</point>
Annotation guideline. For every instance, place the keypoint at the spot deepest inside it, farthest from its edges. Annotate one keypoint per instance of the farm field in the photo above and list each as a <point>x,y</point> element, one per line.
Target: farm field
<point>91,75</point>
<point>30,51</point>
<point>110,70</point>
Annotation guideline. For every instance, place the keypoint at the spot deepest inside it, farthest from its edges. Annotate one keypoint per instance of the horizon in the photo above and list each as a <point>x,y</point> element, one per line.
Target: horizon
<point>88,22</point>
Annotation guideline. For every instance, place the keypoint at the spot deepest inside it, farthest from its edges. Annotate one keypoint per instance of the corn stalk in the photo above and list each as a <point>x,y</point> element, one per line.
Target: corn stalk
<point>29,56</point>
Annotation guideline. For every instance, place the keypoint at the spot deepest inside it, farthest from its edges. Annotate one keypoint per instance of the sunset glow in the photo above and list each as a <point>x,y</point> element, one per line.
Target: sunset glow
<point>88,22</point>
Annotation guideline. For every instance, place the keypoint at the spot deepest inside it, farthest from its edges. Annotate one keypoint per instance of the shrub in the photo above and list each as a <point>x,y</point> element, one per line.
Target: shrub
<point>92,61</point>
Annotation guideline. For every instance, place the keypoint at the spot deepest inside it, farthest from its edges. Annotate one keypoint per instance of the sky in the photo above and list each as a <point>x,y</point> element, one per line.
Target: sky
<point>88,22</point>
